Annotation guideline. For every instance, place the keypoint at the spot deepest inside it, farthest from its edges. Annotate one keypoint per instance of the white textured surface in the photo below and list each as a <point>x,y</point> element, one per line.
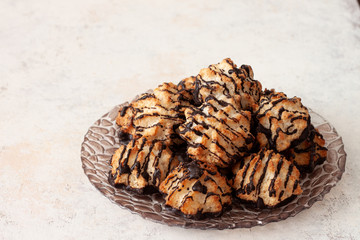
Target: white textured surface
<point>65,63</point>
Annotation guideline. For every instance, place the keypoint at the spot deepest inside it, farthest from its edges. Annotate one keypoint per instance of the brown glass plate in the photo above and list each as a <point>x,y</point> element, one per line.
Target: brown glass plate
<point>101,141</point>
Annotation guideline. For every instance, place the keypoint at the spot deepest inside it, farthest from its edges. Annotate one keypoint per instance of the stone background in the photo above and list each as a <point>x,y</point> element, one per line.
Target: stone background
<point>63,64</point>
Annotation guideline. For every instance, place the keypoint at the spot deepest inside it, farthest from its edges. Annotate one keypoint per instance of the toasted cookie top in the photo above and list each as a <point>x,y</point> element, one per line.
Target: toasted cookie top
<point>153,115</point>
<point>142,163</point>
<point>217,132</point>
<point>282,122</point>
<point>224,81</point>
<point>266,178</point>
<point>196,189</point>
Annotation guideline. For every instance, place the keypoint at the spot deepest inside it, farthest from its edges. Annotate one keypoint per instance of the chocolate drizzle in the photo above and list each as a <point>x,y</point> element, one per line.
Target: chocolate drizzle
<point>271,189</point>
<point>261,179</point>
<point>123,111</point>
<point>199,187</point>
<point>194,170</point>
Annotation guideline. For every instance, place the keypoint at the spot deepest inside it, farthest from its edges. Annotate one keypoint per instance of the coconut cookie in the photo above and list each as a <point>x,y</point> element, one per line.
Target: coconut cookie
<point>282,122</point>
<point>225,81</point>
<point>197,190</point>
<point>266,179</point>
<point>216,132</point>
<point>153,115</point>
<point>141,163</point>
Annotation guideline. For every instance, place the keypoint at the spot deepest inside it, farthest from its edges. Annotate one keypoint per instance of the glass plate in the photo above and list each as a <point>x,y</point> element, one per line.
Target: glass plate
<point>101,141</point>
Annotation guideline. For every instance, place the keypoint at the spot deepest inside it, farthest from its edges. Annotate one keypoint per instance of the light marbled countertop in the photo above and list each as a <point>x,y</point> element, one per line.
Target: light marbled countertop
<point>63,64</point>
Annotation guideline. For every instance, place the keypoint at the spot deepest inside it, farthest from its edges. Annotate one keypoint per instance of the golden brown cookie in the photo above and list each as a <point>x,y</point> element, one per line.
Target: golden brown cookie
<point>141,163</point>
<point>153,115</point>
<point>224,80</point>
<point>197,190</point>
<point>217,132</point>
<point>266,179</point>
<point>282,122</point>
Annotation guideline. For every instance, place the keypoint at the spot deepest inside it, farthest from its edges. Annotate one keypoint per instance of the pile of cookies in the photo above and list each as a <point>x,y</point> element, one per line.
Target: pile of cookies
<point>213,138</point>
